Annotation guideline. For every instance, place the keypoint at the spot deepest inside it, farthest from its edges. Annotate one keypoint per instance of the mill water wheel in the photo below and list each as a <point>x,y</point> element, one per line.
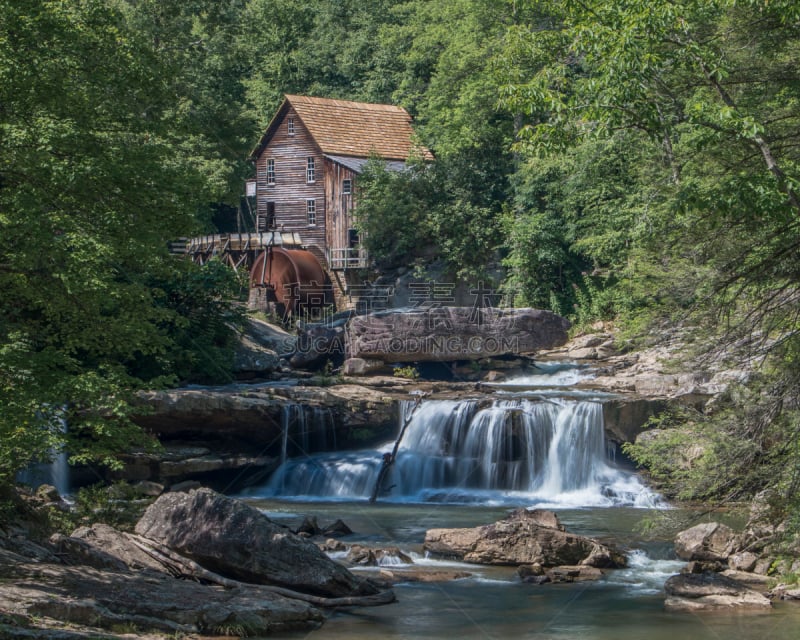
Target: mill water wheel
<point>296,283</point>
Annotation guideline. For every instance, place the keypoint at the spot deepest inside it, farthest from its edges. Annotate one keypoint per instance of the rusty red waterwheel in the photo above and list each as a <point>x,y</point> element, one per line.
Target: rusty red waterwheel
<point>296,283</point>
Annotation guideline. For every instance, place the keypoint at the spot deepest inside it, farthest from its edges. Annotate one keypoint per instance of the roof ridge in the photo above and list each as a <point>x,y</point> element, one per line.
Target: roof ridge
<point>351,128</point>
<point>347,104</point>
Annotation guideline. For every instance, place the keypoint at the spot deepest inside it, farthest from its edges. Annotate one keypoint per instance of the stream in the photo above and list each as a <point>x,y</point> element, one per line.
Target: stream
<point>537,442</point>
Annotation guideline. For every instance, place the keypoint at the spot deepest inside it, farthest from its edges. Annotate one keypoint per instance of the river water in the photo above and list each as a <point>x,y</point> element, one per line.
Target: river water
<point>462,463</point>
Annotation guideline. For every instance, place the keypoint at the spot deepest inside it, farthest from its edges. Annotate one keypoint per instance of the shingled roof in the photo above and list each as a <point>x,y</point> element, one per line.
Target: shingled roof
<point>355,129</point>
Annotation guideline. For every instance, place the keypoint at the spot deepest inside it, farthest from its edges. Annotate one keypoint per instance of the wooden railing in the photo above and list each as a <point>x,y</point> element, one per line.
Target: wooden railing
<point>340,259</point>
<point>239,250</point>
<point>221,242</point>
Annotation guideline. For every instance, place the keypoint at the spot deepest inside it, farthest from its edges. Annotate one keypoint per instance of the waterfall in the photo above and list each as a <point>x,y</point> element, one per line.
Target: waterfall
<point>306,429</point>
<point>516,450</point>
<point>59,473</point>
<point>56,472</point>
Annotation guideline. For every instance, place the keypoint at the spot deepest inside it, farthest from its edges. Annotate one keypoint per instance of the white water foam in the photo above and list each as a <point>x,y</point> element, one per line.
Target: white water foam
<point>644,575</point>
<point>552,374</point>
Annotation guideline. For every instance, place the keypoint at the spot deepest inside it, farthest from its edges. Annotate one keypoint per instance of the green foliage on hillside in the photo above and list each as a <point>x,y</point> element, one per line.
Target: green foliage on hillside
<point>689,205</point>
<point>622,160</point>
<point>403,216</point>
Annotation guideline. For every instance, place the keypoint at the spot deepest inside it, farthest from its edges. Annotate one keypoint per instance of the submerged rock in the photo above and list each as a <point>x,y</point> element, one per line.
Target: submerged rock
<point>690,592</point>
<point>524,537</point>
<point>397,575</point>
<point>369,557</point>
<point>337,528</point>
<point>309,526</point>
<point>239,542</point>
<point>574,574</point>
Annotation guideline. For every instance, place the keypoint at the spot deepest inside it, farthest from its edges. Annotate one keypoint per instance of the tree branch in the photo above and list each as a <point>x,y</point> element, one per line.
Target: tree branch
<point>758,140</point>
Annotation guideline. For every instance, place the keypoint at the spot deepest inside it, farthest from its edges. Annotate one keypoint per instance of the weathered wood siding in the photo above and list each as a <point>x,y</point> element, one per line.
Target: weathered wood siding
<point>338,204</point>
<point>291,189</point>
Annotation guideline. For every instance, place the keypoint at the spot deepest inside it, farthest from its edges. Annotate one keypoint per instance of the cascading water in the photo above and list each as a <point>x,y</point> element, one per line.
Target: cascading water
<point>305,429</point>
<point>517,451</point>
<point>55,473</point>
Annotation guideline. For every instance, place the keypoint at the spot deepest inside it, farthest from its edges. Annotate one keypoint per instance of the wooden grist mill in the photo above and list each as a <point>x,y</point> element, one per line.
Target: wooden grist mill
<point>306,253</point>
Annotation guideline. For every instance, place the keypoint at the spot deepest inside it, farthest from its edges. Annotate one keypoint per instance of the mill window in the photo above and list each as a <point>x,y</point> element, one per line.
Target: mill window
<point>311,212</point>
<point>310,170</point>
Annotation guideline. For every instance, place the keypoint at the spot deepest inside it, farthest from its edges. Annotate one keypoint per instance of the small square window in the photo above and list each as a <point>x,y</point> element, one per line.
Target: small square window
<point>310,170</point>
<point>311,212</point>
<point>271,171</point>
<point>290,126</point>
<point>347,187</point>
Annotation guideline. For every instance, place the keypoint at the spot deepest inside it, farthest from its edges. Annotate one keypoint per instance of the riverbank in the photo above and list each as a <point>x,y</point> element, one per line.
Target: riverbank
<point>438,597</point>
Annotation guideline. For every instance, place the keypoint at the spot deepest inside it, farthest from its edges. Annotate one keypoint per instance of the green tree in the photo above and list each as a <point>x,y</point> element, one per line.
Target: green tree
<point>707,94</point>
<point>196,43</point>
<point>391,214</point>
<point>682,75</point>
<point>328,49</point>
<point>445,59</point>
<point>578,218</point>
<point>94,180</point>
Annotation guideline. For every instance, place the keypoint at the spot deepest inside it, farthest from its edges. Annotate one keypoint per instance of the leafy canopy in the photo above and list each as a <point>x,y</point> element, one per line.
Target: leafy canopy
<point>98,169</point>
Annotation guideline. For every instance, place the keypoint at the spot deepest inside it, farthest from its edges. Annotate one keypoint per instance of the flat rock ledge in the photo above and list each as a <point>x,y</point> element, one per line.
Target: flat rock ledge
<point>711,592</point>
<point>535,538</point>
<point>117,599</point>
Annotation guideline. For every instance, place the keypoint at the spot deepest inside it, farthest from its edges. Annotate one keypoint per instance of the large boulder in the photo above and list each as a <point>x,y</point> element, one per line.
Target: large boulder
<point>239,542</point>
<point>321,342</point>
<point>524,537</point>
<point>103,547</point>
<point>259,349</point>
<point>710,592</point>
<point>270,336</point>
<point>708,541</point>
<point>452,333</point>
<point>251,360</point>
<point>624,417</point>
